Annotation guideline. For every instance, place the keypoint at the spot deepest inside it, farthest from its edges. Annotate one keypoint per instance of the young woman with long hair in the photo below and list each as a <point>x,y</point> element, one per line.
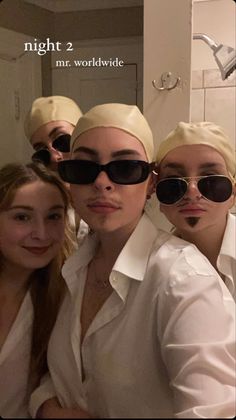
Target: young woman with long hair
<point>34,242</point>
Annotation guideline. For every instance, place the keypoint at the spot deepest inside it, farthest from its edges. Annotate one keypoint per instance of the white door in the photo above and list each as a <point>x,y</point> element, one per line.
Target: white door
<point>91,85</point>
<point>20,83</point>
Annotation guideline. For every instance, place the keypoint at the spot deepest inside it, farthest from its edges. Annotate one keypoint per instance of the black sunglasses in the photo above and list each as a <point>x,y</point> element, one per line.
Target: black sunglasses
<point>217,188</point>
<point>125,172</point>
<point>61,143</point>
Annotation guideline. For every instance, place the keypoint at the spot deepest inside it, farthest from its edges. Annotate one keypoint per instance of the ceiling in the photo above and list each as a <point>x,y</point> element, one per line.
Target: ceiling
<point>73,5</point>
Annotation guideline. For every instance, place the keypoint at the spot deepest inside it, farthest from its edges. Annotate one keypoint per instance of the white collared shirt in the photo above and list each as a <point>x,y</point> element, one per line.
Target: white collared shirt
<point>161,346</point>
<point>14,364</point>
<point>226,261</point>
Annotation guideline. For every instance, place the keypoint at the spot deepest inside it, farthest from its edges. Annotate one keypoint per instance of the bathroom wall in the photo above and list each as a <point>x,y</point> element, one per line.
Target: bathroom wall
<point>213,99</point>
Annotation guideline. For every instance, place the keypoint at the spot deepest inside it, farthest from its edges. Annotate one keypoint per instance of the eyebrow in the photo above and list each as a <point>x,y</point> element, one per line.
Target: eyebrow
<point>206,165</point>
<point>29,208</point>
<point>54,130</point>
<point>92,152</point>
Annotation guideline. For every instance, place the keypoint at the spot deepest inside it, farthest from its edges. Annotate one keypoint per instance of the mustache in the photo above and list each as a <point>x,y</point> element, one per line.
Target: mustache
<point>187,201</point>
<point>105,200</point>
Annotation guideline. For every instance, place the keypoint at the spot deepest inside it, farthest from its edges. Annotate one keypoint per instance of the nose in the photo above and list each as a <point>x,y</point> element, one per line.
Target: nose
<point>55,154</point>
<point>103,182</point>
<point>39,230</point>
<point>192,190</point>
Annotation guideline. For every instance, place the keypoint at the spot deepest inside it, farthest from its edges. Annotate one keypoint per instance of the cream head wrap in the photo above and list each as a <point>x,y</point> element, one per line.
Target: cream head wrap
<point>51,108</point>
<point>205,133</point>
<point>125,117</point>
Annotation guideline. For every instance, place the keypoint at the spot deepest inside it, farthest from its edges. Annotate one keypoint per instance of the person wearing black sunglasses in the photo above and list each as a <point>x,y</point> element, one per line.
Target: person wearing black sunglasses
<point>48,126</point>
<point>196,190</point>
<point>143,331</point>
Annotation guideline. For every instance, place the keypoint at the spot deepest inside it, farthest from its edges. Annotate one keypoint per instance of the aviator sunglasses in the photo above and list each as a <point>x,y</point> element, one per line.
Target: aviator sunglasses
<point>217,188</point>
<point>125,172</point>
<point>61,143</point>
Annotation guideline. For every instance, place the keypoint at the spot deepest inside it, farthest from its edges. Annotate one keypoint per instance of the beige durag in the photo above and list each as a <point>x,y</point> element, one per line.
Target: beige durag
<point>51,108</point>
<point>124,117</point>
<point>205,133</point>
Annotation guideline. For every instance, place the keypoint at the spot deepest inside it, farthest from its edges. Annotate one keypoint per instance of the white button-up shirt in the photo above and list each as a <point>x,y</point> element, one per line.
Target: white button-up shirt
<point>161,346</point>
<point>14,364</point>
<point>226,262</point>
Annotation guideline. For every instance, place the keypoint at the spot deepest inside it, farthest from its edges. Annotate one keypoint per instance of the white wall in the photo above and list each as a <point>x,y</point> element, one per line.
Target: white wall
<point>217,19</point>
<point>167,48</point>
<point>213,99</point>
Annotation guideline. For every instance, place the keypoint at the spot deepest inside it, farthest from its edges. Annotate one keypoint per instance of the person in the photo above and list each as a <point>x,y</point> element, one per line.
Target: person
<point>34,241</point>
<point>144,330</point>
<point>196,190</point>
<point>48,126</point>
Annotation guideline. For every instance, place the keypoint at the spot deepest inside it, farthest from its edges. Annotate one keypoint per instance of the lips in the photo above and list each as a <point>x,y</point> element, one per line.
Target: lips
<point>103,206</point>
<point>191,210</point>
<point>37,250</point>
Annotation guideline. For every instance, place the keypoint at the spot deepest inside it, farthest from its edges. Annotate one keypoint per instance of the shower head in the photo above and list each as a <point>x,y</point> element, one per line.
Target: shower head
<point>225,56</point>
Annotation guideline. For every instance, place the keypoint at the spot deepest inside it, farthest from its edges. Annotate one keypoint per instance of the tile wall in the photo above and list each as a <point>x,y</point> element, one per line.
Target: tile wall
<point>214,99</point>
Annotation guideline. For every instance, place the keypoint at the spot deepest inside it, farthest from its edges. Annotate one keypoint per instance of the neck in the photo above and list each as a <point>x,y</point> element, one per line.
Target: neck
<point>208,241</point>
<point>111,244</point>
<point>13,284</point>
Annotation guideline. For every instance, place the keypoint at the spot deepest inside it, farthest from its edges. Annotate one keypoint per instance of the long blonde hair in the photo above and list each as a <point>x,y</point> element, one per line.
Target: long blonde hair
<point>46,284</point>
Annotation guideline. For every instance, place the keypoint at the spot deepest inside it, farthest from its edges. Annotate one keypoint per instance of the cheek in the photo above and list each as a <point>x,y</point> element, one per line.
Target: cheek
<point>57,233</point>
<point>134,197</point>
<point>78,195</point>
<point>167,210</point>
<point>13,235</point>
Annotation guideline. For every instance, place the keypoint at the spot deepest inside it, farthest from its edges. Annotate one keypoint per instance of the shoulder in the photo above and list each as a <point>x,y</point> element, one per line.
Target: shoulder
<point>178,259</point>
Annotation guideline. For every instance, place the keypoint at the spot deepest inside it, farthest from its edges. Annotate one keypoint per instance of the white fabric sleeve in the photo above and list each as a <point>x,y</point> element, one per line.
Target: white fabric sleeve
<point>44,392</point>
<point>197,336</point>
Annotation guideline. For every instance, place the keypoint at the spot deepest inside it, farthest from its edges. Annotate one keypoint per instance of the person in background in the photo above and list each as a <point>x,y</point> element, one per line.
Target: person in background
<point>196,190</point>
<point>48,126</point>
<point>143,331</point>
<point>34,242</point>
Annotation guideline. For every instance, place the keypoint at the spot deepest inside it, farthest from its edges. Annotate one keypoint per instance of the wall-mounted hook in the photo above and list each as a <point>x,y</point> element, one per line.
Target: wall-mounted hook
<point>168,81</point>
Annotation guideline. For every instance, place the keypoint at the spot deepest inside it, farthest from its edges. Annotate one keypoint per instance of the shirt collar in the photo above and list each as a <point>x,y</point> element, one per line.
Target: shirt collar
<point>228,245</point>
<point>131,262</point>
<point>80,258</point>
<point>226,260</point>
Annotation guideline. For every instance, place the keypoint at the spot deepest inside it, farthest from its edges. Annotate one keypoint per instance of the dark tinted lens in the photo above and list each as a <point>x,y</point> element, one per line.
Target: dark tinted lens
<point>62,143</point>
<point>78,171</point>
<point>42,156</point>
<point>215,188</point>
<point>128,172</point>
<point>171,190</point>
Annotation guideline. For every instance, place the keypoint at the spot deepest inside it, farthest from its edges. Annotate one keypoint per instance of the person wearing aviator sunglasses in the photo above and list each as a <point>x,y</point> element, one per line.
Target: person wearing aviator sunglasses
<point>196,190</point>
<point>144,310</point>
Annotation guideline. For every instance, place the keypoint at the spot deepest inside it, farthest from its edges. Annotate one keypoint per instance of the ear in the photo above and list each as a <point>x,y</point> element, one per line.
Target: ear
<point>152,185</point>
<point>233,197</point>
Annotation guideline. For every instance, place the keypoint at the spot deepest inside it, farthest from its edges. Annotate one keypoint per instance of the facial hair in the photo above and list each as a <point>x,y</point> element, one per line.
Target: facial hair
<point>192,221</point>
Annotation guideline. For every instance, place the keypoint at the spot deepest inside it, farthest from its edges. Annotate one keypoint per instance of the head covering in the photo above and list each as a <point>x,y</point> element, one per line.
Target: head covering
<point>51,108</point>
<point>205,133</point>
<point>125,117</point>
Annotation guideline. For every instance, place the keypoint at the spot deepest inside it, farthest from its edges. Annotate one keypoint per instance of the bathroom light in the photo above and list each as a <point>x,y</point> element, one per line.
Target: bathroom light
<point>225,56</point>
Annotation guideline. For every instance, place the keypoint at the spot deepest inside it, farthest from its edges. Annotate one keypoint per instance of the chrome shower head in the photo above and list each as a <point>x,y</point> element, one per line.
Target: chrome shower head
<point>225,56</point>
